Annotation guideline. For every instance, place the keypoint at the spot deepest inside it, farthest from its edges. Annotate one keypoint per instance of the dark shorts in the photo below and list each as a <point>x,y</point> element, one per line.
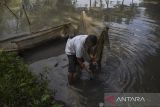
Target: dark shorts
<point>72,63</point>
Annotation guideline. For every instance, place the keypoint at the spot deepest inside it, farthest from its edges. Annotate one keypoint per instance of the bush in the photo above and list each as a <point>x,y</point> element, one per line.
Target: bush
<point>19,87</point>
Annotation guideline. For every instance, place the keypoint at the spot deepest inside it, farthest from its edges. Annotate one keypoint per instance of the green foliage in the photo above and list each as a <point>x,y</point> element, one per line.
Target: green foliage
<point>19,87</point>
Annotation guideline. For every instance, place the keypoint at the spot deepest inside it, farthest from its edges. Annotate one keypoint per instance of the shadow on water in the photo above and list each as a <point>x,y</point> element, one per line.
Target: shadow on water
<point>43,51</point>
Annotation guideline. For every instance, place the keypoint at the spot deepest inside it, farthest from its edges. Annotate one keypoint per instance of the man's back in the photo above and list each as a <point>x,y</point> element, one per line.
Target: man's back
<point>75,46</point>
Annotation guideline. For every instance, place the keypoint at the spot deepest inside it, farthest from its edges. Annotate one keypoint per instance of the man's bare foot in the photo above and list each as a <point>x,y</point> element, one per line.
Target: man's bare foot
<point>71,78</point>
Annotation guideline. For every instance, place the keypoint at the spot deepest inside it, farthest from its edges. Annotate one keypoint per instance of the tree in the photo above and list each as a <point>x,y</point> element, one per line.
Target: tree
<point>107,2</point>
<point>90,3</point>
<point>95,3</point>
<point>122,2</point>
<point>101,4</point>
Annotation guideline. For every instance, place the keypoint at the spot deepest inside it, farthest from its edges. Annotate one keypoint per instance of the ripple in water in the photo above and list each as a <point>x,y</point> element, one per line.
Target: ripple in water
<point>130,46</point>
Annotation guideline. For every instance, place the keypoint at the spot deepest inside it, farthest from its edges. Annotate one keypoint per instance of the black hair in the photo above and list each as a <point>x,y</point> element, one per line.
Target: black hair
<point>91,40</point>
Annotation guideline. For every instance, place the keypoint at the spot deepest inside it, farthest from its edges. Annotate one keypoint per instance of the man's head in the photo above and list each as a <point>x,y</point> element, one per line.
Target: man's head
<point>91,41</point>
<point>90,45</point>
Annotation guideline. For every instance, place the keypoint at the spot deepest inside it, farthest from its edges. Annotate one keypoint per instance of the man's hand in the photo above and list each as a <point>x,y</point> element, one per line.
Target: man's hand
<point>80,61</point>
<point>86,66</point>
<point>82,65</point>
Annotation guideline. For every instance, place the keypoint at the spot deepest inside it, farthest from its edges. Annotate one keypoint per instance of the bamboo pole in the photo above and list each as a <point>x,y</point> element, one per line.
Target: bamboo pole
<point>5,4</point>
<point>29,23</point>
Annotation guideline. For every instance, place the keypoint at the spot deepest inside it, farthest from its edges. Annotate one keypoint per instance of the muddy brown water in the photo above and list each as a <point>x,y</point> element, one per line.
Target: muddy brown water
<point>131,65</point>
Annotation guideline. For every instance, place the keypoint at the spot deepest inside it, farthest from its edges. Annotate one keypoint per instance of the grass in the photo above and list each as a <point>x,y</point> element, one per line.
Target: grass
<point>19,87</point>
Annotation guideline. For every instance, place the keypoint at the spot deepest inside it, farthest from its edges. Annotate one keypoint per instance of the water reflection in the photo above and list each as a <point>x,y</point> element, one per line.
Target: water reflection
<point>105,3</point>
<point>131,44</point>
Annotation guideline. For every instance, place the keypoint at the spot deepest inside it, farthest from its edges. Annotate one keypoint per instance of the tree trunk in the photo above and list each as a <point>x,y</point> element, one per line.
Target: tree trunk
<point>90,3</point>
<point>107,3</point>
<point>122,2</point>
<point>132,2</point>
<point>95,3</point>
<point>101,4</point>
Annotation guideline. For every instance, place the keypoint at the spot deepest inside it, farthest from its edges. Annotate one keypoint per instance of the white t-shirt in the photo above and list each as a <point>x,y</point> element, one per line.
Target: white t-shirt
<point>75,46</point>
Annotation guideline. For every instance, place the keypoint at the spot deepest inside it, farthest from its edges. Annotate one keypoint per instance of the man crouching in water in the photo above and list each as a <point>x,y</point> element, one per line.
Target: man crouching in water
<point>75,49</point>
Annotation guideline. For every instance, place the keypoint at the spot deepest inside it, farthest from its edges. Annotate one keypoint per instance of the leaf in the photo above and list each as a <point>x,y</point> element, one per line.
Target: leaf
<point>22,84</point>
<point>45,97</point>
<point>57,105</point>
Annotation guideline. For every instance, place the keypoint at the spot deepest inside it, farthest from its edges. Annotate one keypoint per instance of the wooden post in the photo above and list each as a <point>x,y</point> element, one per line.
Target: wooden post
<point>100,45</point>
<point>107,38</point>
